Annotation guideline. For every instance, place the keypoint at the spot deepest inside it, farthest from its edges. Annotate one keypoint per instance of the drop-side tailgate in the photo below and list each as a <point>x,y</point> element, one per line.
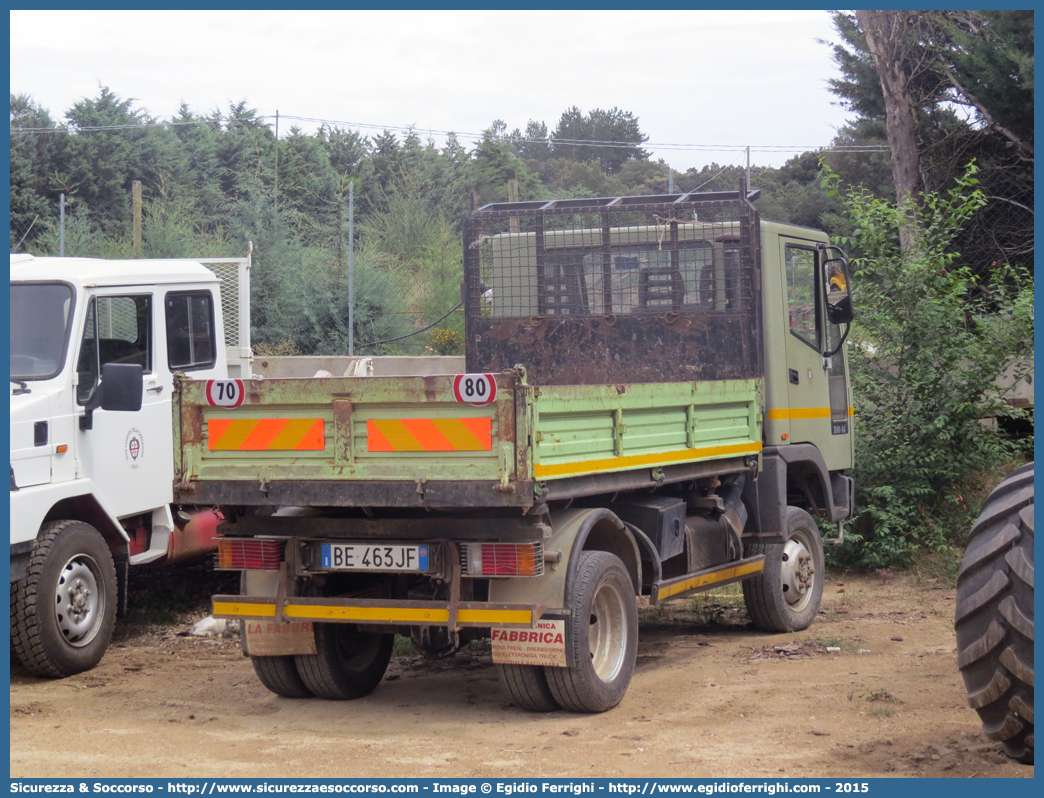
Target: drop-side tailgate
<point>339,430</point>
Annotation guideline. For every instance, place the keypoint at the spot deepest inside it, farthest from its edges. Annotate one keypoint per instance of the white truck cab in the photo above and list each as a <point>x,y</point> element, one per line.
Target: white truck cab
<point>95,345</point>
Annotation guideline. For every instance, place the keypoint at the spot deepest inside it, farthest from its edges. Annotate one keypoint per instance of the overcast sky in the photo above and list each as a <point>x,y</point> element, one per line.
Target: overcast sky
<point>707,82</point>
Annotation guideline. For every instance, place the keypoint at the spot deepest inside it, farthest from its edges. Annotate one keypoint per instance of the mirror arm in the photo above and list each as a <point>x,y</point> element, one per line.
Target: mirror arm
<point>836,349</point>
<point>92,404</point>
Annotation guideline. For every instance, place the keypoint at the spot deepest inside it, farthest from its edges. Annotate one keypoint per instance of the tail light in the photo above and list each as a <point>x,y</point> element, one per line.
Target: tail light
<point>502,559</point>
<point>236,554</point>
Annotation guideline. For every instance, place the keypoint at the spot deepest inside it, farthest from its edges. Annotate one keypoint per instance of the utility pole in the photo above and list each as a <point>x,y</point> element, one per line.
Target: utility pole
<point>748,168</point>
<point>275,196</point>
<point>670,180</point>
<point>351,268</point>
<point>61,225</point>
<point>136,199</point>
<point>512,187</point>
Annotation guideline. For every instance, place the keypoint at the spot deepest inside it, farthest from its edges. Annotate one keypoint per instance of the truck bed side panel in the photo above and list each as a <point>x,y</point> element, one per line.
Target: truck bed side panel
<point>586,429</point>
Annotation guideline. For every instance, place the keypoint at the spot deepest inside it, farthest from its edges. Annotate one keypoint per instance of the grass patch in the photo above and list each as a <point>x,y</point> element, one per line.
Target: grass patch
<point>713,606</point>
<point>937,569</point>
<point>403,647</point>
<point>850,595</point>
<point>875,696</point>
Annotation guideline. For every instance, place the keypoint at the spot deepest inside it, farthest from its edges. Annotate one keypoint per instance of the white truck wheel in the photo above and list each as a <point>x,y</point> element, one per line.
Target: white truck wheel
<point>602,641</point>
<point>65,607</point>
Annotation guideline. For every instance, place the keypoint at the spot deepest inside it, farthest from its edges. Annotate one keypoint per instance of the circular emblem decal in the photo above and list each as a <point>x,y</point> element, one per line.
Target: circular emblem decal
<point>134,447</point>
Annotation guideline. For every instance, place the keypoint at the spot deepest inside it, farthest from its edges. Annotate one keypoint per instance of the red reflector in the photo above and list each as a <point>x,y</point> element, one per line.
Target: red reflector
<point>250,555</point>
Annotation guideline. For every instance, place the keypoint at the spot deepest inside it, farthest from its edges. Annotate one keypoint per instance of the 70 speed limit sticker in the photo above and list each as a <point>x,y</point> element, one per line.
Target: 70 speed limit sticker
<point>225,393</point>
<point>475,389</point>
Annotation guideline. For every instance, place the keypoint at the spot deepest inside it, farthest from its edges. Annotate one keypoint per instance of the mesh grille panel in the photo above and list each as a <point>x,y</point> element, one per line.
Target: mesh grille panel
<point>228,274</point>
<point>626,289</point>
<point>118,318</point>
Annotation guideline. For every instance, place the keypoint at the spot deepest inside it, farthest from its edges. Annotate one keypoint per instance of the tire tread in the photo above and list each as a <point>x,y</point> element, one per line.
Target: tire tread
<point>574,687</point>
<point>762,594</point>
<point>27,635</point>
<point>280,676</point>
<point>527,685</point>
<point>994,616</point>
<point>327,677</point>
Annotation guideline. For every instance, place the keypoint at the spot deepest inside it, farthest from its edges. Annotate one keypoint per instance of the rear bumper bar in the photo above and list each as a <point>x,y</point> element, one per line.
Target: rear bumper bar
<point>377,611</point>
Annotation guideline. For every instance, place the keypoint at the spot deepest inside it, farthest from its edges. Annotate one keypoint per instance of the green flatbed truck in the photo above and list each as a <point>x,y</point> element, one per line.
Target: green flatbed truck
<point>654,401</point>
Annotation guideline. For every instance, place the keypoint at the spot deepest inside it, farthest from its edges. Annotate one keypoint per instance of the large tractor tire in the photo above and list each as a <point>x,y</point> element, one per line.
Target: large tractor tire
<point>994,620</point>
<point>64,610</point>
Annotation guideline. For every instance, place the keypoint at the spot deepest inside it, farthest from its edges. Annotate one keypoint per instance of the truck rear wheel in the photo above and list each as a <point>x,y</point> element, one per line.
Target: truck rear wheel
<point>527,686</point>
<point>64,609</point>
<point>280,676</point>
<point>602,637</point>
<point>785,596</point>
<point>994,618</point>
<point>347,664</point>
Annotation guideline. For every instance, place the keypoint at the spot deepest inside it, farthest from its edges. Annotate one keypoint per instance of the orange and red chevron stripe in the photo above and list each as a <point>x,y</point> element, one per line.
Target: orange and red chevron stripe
<point>429,435</point>
<point>266,434</point>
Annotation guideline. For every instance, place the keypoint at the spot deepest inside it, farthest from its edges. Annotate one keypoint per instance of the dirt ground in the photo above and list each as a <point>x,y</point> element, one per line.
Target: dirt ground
<point>710,698</point>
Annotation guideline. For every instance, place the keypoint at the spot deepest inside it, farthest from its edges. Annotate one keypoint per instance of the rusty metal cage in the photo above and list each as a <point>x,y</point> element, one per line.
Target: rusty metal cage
<point>636,289</point>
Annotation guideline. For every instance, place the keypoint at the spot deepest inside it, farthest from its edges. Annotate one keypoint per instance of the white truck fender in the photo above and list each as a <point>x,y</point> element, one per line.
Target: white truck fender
<point>76,499</point>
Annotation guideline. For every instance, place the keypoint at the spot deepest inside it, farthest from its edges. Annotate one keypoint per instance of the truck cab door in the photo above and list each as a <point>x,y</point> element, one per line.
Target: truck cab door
<point>817,386</point>
<point>127,455</point>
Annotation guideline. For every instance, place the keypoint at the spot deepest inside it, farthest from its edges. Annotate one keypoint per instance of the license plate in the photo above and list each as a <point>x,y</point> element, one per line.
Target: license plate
<point>366,557</point>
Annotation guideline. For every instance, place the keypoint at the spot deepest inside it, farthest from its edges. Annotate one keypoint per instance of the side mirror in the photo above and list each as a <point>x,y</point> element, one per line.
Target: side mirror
<point>121,388</point>
<point>838,290</point>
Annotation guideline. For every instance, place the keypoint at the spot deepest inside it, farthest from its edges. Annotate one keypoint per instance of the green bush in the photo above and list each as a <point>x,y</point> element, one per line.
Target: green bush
<point>927,351</point>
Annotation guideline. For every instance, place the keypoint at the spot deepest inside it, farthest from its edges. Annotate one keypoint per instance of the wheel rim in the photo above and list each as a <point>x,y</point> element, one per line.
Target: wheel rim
<point>79,601</point>
<point>799,571</point>
<point>608,632</point>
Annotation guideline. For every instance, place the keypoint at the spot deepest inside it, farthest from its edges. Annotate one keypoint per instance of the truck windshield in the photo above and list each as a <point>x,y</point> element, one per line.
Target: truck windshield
<point>40,317</point>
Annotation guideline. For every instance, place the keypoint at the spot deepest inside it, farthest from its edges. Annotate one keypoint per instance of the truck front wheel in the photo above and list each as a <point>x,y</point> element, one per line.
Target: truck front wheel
<point>785,596</point>
<point>602,637</point>
<point>64,610</point>
<point>348,663</point>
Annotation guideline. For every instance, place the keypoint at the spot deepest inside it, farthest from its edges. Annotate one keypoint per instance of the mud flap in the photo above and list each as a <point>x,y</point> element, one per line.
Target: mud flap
<point>542,645</point>
<point>270,639</point>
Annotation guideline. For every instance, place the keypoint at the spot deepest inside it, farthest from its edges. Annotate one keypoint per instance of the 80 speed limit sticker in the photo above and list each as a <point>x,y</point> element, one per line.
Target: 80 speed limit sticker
<point>475,389</point>
<point>225,393</point>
